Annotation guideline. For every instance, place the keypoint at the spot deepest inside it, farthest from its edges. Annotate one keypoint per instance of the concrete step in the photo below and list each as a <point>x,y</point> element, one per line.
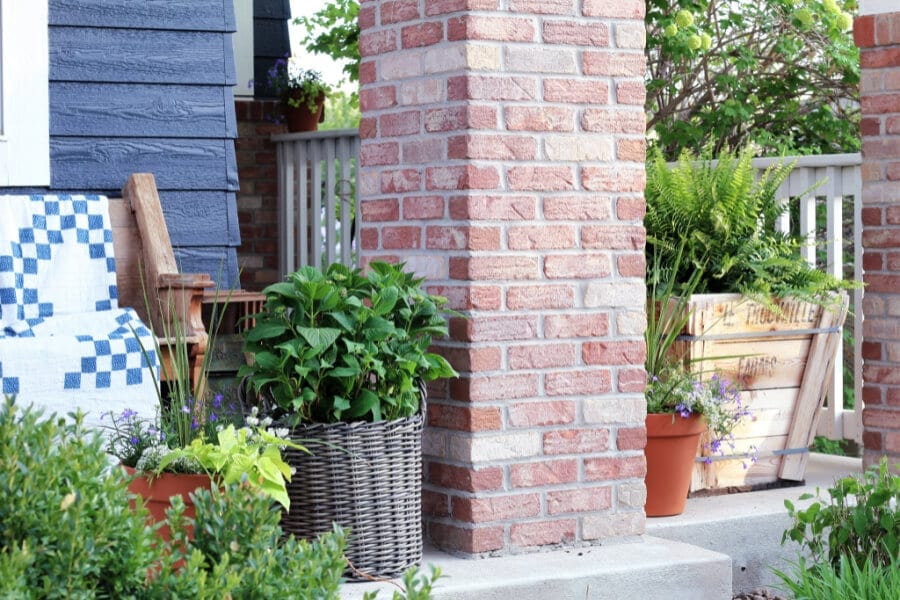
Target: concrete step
<point>648,567</point>
<point>748,526</point>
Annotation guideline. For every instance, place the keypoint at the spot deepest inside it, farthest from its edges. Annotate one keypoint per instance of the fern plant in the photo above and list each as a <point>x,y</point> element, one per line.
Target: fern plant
<point>716,218</point>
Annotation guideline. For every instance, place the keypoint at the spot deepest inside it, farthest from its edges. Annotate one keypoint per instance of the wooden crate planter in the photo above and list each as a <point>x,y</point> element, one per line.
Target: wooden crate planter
<point>782,361</point>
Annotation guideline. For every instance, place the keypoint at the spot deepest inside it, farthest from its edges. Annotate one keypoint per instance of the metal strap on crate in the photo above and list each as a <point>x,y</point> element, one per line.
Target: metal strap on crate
<point>757,334</point>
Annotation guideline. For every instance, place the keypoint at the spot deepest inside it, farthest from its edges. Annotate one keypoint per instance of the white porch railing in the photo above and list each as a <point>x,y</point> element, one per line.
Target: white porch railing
<point>317,200</point>
<point>837,183</point>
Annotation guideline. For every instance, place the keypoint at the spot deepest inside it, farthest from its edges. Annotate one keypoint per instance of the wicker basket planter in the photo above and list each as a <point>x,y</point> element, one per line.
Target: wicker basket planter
<point>367,477</point>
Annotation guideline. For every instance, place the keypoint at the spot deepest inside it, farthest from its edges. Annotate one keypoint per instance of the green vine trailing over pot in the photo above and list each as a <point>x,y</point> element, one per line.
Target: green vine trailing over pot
<point>342,346</point>
<point>716,221</point>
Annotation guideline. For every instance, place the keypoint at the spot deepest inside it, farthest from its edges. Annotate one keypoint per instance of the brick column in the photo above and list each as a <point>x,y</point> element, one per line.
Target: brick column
<point>257,200</point>
<point>503,159</point>
<point>877,33</point>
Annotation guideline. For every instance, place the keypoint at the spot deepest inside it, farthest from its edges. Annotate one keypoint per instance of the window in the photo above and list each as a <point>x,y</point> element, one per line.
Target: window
<point>24,96</point>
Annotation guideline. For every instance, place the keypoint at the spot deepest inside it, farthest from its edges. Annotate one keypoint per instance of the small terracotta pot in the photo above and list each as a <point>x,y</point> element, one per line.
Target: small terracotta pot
<point>157,492</point>
<point>670,451</point>
<point>300,118</point>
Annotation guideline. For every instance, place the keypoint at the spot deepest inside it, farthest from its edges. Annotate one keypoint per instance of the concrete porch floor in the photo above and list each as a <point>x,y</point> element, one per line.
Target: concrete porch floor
<point>720,546</point>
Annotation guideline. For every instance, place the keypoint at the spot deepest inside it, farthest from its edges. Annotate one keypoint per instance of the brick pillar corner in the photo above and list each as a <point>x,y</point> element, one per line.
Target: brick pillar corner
<point>877,33</point>
<point>503,159</point>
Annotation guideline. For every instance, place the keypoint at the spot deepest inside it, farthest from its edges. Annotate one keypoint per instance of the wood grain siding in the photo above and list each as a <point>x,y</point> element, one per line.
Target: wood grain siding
<point>177,164</point>
<point>213,260</point>
<point>127,110</point>
<point>140,56</point>
<point>201,218</point>
<point>271,40</point>
<point>191,15</point>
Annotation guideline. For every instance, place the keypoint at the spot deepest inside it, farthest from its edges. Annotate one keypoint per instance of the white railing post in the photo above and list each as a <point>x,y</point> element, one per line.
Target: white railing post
<point>317,199</point>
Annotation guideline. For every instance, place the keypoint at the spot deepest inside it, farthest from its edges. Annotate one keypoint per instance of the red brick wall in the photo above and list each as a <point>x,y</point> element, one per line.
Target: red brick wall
<point>878,37</point>
<point>257,200</point>
<point>503,158</point>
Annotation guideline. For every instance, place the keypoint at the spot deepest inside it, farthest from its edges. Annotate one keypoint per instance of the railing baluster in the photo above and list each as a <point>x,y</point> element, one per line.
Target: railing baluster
<point>345,185</point>
<point>330,226</point>
<point>302,224</point>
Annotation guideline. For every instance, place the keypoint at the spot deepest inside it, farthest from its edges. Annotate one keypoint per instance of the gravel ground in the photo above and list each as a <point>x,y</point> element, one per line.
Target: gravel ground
<point>759,595</point>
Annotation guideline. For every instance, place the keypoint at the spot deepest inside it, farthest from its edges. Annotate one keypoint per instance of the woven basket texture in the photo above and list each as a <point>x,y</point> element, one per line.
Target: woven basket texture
<point>367,477</point>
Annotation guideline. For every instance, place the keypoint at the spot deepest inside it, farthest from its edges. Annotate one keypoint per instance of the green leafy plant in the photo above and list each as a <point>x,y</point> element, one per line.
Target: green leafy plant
<point>847,580</point>
<point>251,456</point>
<point>825,445</point>
<point>414,586</point>
<point>859,520</point>
<point>718,219</point>
<point>296,86</point>
<point>333,30</point>
<point>342,346</point>
<point>782,75</point>
<point>240,551</point>
<point>66,529</point>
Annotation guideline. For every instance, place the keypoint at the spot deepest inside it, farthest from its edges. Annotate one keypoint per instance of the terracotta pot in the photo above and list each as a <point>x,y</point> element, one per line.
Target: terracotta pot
<point>157,492</point>
<point>670,451</point>
<point>301,118</point>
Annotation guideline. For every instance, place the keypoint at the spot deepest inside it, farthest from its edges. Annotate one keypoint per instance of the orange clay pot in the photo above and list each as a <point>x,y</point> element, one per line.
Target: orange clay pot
<point>670,451</point>
<point>157,491</point>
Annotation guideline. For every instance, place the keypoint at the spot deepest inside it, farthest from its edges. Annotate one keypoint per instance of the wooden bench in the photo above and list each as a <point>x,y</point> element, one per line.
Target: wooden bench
<point>148,278</point>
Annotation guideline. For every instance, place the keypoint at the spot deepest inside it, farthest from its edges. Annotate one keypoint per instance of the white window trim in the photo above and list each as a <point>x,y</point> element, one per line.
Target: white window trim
<point>242,41</point>
<point>25,129</point>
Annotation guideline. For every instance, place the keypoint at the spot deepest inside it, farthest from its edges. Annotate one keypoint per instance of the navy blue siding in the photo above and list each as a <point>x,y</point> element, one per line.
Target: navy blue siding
<point>271,40</point>
<point>192,15</point>
<point>140,56</point>
<point>145,85</point>
<point>127,110</point>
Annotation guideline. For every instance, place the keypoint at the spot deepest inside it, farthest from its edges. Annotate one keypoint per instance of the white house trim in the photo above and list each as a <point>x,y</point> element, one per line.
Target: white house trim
<point>242,39</point>
<point>877,7</point>
<point>24,72</point>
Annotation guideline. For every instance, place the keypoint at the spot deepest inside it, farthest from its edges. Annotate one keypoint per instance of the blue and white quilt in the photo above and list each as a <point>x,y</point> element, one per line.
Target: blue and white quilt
<point>64,341</point>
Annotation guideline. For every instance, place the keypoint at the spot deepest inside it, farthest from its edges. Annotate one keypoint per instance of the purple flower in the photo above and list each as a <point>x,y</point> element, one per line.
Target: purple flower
<point>186,410</point>
<point>127,414</point>
<point>134,440</point>
<point>213,417</point>
<point>682,410</point>
<point>217,401</point>
<point>194,424</point>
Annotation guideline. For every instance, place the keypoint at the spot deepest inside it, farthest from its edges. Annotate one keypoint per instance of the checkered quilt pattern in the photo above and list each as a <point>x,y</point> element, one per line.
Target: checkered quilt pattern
<point>64,341</point>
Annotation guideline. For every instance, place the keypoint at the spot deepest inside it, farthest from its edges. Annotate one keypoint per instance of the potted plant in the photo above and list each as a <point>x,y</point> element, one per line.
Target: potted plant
<point>187,448</point>
<point>682,404</point>
<point>341,358</point>
<point>194,440</point>
<point>748,306</point>
<point>302,93</point>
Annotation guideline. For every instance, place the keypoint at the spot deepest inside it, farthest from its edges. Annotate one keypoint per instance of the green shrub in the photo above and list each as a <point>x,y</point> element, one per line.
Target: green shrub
<point>66,529</point>
<point>846,581</point>
<point>239,550</point>
<point>859,521</point>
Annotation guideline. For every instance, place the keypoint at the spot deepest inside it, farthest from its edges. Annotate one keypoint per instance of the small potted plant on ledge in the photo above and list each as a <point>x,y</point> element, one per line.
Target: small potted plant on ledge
<point>302,93</point>
<point>341,358</point>
<point>737,298</point>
